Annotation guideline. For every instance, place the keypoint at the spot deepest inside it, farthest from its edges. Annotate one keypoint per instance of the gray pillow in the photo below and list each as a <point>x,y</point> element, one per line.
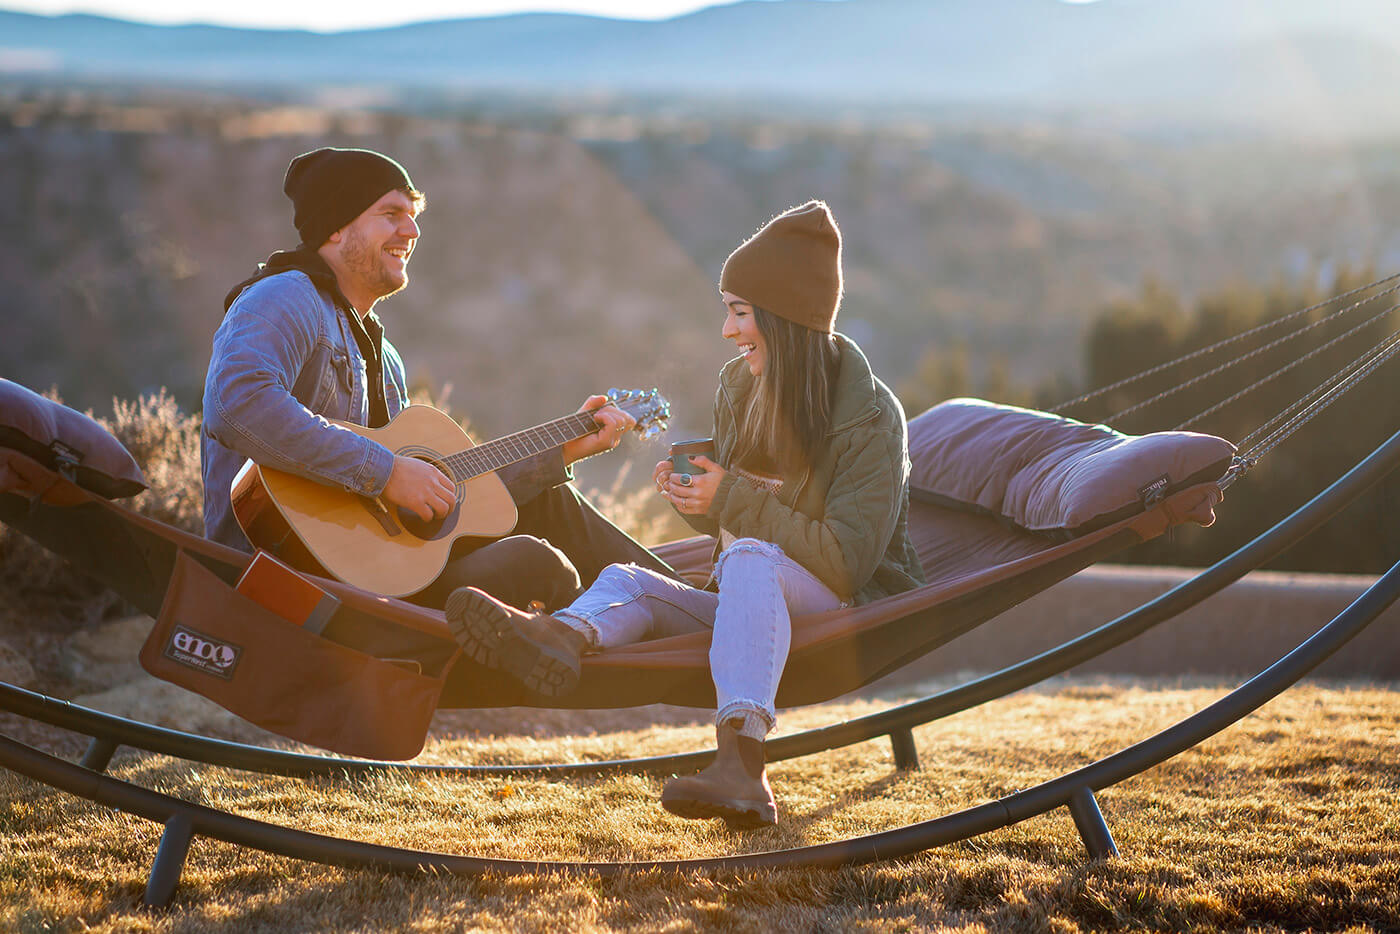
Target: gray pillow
<point>67,441</point>
<point>1050,474</point>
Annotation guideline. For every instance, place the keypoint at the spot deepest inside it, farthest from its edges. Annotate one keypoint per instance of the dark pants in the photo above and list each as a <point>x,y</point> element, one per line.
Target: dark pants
<point>560,546</point>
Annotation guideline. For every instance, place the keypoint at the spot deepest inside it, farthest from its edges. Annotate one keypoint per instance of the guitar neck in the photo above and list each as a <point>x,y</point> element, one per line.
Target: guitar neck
<point>493,455</point>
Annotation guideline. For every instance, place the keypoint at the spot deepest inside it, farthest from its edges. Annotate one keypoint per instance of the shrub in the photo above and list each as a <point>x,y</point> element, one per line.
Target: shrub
<point>165,442</point>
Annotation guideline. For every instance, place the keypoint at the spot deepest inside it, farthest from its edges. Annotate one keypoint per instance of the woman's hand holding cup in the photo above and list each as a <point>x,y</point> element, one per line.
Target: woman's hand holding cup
<point>692,493</point>
<point>689,478</point>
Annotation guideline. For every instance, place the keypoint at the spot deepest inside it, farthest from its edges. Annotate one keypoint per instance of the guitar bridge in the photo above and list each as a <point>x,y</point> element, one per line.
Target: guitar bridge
<point>376,508</point>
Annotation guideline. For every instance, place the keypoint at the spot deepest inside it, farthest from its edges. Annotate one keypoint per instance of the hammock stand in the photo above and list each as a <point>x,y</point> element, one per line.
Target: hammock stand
<point>184,820</point>
<point>831,654</point>
<point>108,732</point>
<point>1074,790</point>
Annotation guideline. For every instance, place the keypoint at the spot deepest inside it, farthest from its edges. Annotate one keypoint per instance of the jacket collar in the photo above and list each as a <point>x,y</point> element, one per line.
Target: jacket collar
<point>855,385</point>
<point>305,260</point>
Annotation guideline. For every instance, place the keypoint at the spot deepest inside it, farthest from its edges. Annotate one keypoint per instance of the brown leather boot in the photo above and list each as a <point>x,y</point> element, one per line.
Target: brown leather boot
<point>541,652</point>
<point>733,787</point>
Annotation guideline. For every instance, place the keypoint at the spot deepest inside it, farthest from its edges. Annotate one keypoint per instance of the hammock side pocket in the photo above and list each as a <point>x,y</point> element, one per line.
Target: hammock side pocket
<point>211,639</point>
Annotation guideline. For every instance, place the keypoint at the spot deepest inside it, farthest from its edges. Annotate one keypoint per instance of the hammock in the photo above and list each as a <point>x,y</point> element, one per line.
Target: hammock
<point>986,545</point>
<point>832,653</point>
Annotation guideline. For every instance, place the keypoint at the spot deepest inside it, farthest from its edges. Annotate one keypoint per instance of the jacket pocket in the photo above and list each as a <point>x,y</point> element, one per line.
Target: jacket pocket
<point>316,384</point>
<point>337,386</point>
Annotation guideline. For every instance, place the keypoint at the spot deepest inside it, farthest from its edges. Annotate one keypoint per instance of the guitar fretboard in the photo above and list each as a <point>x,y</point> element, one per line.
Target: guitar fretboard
<point>493,455</point>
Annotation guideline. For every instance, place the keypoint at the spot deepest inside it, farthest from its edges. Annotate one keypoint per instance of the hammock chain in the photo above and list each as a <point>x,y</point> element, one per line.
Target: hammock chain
<point>1379,355</point>
<point>1204,351</point>
<point>1199,416</point>
<point>1299,412</point>
<point>1337,377</point>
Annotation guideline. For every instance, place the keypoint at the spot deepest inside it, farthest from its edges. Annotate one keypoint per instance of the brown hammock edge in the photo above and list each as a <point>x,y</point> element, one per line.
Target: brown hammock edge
<point>832,653</point>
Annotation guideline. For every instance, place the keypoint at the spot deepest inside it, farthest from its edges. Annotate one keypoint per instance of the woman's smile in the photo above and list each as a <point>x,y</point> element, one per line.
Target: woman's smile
<point>741,327</point>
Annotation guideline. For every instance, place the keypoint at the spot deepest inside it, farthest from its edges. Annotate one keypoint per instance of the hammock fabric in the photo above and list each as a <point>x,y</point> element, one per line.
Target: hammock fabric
<point>368,683</point>
<point>990,569</point>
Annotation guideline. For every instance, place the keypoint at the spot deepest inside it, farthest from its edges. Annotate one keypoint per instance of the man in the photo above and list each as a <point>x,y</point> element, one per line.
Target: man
<point>300,343</point>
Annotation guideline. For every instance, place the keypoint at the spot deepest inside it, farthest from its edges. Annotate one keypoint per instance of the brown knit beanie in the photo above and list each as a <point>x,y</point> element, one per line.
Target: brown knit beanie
<point>329,188</point>
<point>791,267</point>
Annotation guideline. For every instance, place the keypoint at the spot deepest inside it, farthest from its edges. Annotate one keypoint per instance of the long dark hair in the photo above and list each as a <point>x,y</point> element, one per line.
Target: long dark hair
<point>788,414</point>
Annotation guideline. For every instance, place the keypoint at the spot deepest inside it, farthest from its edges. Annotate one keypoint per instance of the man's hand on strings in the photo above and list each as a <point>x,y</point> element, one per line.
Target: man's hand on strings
<point>613,424</point>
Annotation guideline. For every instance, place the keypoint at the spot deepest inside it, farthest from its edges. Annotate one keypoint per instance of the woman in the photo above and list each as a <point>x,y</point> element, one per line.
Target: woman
<point>808,496</point>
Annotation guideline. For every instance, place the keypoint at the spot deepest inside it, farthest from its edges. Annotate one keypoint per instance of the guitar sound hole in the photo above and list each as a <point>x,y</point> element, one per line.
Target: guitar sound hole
<point>428,531</point>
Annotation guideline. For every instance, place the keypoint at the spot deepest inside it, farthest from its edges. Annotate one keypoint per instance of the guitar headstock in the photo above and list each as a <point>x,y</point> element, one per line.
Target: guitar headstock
<point>648,406</point>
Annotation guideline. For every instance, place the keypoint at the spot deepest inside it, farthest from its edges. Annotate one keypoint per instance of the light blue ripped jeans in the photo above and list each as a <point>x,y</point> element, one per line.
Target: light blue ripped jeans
<point>760,589</point>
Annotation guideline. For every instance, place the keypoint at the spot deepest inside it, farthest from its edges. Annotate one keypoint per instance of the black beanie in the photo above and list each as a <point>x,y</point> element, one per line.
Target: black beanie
<point>329,188</point>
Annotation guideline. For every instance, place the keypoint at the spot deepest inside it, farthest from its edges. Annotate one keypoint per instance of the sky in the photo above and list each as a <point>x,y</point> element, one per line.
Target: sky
<point>335,15</point>
<point>332,15</point>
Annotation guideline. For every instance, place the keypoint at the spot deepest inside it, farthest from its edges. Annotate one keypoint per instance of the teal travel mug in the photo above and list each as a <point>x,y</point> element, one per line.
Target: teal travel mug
<point>681,453</point>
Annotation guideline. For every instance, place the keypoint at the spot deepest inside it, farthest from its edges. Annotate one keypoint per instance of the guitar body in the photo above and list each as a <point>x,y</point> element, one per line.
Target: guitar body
<point>359,539</point>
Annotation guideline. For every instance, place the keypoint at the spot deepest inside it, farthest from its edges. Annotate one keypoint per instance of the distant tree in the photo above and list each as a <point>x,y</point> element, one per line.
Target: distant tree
<point>942,373</point>
<point>947,373</point>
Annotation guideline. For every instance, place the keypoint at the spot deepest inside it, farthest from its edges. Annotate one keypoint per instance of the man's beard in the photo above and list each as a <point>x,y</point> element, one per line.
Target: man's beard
<point>367,262</point>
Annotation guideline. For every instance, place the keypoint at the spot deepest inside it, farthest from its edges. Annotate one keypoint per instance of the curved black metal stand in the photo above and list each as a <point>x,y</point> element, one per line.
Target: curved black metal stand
<point>109,731</point>
<point>184,820</point>
<point>1074,790</point>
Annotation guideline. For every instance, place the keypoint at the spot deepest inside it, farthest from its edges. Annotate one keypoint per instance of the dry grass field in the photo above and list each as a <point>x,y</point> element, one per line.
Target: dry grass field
<point>1284,822</point>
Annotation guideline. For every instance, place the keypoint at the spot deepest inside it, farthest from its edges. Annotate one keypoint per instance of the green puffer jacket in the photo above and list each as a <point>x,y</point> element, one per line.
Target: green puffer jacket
<point>846,519</point>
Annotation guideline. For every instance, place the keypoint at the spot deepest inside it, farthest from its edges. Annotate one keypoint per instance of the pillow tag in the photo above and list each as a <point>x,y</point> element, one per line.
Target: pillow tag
<point>65,458</point>
<point>1155,491</point>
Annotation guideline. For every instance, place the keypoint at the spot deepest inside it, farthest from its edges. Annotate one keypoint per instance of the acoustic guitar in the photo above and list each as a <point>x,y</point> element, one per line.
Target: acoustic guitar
<point>364,541</point>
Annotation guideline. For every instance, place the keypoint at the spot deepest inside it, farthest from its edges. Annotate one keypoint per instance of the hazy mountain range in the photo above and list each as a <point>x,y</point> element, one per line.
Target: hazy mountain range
<point>1315,66</point>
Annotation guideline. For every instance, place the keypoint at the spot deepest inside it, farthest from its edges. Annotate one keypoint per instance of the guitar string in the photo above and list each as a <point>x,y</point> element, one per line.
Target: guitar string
<point>484,458</point>
<point>516,447</point>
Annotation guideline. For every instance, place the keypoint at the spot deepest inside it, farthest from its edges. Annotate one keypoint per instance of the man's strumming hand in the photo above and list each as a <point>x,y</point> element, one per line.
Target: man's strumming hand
<point>420,488</point>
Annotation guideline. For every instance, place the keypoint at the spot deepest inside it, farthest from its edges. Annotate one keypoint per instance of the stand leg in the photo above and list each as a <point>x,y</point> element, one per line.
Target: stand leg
<point>1090,823</point>
<point>906,754</point>
<point>99,754</point>
<point>170,861</point>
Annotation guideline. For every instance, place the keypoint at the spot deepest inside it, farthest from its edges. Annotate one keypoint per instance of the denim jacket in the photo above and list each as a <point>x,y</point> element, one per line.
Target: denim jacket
<point>284,362</point>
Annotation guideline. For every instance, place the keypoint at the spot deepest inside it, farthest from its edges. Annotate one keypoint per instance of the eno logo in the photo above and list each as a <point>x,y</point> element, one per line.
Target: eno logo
<point>216,652</point>
<point>202,652</point>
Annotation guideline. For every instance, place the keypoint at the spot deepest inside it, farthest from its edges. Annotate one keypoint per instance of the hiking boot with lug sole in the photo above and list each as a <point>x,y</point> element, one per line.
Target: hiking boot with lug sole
<point>536,649</point>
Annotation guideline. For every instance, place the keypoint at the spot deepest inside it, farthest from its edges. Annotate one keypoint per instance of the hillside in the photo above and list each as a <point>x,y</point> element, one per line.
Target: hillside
<point>527,290</point>
<point>556,260</point>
